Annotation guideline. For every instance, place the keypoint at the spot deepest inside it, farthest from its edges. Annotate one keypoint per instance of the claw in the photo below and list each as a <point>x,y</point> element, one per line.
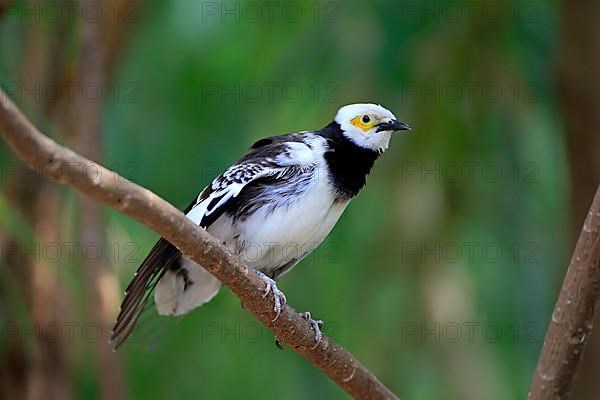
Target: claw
<point>278,296</point>
<point>280,345</point>
<point>316,325</point>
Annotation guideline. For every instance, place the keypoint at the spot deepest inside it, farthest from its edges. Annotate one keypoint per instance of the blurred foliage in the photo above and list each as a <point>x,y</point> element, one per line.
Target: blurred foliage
<point>192,92</point>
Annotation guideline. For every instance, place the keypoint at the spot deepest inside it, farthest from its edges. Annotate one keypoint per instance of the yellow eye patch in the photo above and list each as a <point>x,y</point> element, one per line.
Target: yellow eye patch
<point>364,122</point>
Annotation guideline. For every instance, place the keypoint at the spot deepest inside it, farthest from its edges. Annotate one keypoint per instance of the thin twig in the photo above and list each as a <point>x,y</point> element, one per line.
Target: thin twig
<point>68,168</point>
<point>573,315</point>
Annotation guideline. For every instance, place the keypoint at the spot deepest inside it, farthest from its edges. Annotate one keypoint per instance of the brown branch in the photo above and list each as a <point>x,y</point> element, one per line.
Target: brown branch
<point>573,315</point>
<point>578,93</point>
<point>68,168</point>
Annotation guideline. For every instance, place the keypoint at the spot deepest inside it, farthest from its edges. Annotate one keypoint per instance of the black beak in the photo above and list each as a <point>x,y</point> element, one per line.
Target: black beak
<point>393,125</point>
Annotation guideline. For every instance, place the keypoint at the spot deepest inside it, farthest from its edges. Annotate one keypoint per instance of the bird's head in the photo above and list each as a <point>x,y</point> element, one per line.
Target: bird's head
<point>369,125</point>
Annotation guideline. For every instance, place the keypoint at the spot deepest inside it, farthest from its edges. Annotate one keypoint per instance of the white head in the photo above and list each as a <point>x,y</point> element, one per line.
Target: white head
<point>369,125</point>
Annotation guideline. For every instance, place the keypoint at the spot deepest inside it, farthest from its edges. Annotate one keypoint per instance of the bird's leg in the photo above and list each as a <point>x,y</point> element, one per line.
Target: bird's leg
<point>278,296</point>
<point>316,325</point>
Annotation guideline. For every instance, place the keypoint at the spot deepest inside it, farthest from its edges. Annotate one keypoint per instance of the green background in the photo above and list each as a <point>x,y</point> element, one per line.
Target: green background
<point>440,276</point>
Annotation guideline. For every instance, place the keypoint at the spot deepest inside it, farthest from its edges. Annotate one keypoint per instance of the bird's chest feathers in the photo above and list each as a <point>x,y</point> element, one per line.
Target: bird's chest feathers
<point>306,217</point>
<point>274,236</point>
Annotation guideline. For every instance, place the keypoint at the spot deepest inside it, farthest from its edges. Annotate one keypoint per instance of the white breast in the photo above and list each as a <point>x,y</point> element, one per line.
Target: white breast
<point>269,239</point>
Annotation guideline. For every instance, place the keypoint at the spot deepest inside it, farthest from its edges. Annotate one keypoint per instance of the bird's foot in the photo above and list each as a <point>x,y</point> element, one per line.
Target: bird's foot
<point>316,325</point>
<point>278,297</point>
<point>280,345</point>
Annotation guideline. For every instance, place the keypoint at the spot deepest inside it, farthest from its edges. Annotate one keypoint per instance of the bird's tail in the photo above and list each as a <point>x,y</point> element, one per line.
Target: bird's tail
<point>184,289</point>
<point>181,285</point>
<point>138,293</point>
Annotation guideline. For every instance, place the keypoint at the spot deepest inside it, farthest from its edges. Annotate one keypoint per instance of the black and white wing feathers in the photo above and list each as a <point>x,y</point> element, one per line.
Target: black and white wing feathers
<point>213,200</point>
<point>277,158</point>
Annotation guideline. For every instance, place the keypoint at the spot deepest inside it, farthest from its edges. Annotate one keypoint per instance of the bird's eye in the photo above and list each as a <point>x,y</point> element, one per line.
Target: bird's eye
<point>364,122</point>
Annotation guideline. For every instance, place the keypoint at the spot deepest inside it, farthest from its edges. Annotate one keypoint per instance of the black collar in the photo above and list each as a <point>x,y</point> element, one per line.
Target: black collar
<point>348,163</point>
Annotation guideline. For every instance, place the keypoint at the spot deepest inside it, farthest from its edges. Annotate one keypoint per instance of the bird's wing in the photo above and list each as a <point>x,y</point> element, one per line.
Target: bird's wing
<point>274,157</point>
<point>213,200</point>
<point>277,158</point>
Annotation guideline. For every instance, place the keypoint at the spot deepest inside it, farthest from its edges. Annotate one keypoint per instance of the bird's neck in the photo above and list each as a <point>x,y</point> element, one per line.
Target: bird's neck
<point>348,163</point>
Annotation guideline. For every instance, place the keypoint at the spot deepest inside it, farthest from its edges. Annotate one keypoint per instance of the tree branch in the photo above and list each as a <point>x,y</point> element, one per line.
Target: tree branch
<point>66,167</point>
<point>573,315</point>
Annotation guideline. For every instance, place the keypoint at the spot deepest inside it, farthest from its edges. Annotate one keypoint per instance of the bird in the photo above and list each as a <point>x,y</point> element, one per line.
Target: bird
<point>271,208</point>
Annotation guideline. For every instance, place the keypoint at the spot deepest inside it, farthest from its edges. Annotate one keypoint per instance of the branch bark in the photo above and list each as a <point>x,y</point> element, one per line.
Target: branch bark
<point>573,315</point>
<point>66,167</point>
